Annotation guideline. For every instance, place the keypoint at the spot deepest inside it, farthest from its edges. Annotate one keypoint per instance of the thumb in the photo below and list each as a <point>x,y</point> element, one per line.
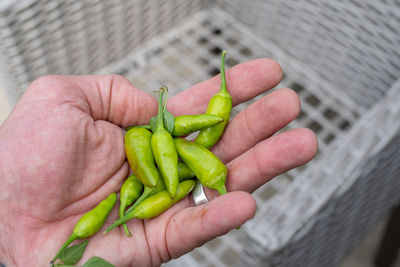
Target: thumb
<point>113,98</point>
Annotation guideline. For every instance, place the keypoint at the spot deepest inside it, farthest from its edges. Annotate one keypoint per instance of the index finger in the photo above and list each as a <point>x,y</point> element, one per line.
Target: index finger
<point>244,81</point>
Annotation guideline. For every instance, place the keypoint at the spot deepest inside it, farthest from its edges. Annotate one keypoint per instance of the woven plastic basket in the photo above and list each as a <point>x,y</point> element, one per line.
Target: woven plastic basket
<point>341,57</point>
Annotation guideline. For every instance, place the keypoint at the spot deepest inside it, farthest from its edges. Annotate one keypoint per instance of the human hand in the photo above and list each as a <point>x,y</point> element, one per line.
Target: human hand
<point>62,152</point>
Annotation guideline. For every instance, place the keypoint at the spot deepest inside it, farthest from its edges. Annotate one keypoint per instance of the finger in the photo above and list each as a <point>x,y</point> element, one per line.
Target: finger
<point>191,227</point>
<point>244,81</point>
<point>257,122</point>
<point>269,158</point>
<point>115,99</point>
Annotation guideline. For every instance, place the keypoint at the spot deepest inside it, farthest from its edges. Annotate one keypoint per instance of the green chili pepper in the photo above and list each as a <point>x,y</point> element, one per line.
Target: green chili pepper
<point>184,172</point>
<point>148,191</point>
<point>130,191</point>
<point>158,203</point>
<point>90,223</point>
<point>140,156</point>
<point>206,166</point>
<point>164,150</point>
<point>155,204</point>
<point>221,106</point>
<point>187,124</point>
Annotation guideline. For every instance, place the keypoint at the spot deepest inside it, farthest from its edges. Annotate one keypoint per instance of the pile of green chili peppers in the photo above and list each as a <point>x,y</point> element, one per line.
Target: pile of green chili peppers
<point>165,166</point>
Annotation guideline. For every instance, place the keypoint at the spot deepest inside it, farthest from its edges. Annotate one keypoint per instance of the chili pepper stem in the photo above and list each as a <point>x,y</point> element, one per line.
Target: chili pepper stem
<point>71,239</point>
<point>121,214</point>
<point>160,120</point>
<point>117,223</point>
<point>127,232</point>
<point>222,190</point>
<point>129,210</point>
<point>222,70</point>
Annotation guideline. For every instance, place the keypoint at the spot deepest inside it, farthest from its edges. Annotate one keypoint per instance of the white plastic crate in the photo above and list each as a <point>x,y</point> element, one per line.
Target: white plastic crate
<point>340,57</point>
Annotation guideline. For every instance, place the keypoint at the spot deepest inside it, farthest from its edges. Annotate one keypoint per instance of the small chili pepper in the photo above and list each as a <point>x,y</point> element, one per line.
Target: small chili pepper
<point>148,191</point>
<point>206,166</point>
<point>184,172</point>
<point>90,223</point>
<point>187,124</point>
<point>155,204</point>
<point>221,106</point>
<point>130,191</point>
<point>164,150</point>
<point>140,156</point>
<point>158,203</point>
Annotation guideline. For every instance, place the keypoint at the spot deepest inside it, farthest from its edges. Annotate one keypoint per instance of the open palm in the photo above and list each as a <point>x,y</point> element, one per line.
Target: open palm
<point>62,152</point>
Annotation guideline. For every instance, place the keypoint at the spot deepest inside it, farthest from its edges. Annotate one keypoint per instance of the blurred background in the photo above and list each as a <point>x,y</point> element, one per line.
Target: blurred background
<point>341,57</point>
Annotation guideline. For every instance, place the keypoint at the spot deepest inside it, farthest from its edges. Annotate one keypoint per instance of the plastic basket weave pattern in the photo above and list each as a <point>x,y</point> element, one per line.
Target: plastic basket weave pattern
<point>79,37</point>
<point>341,57</point>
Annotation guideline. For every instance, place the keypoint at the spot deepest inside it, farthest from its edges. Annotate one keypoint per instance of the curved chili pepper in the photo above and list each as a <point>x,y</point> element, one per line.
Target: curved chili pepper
<point>140,156</point>
<point>206,166</point>
<point>184,173</point>
<point>158,203</point>
<point>164,150</point>
<point>90,223</point>
<point>187,124</point>
<point>148,191</point>
<point>221,106</point>
<point>155,204</point>
<point>130,191</point>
